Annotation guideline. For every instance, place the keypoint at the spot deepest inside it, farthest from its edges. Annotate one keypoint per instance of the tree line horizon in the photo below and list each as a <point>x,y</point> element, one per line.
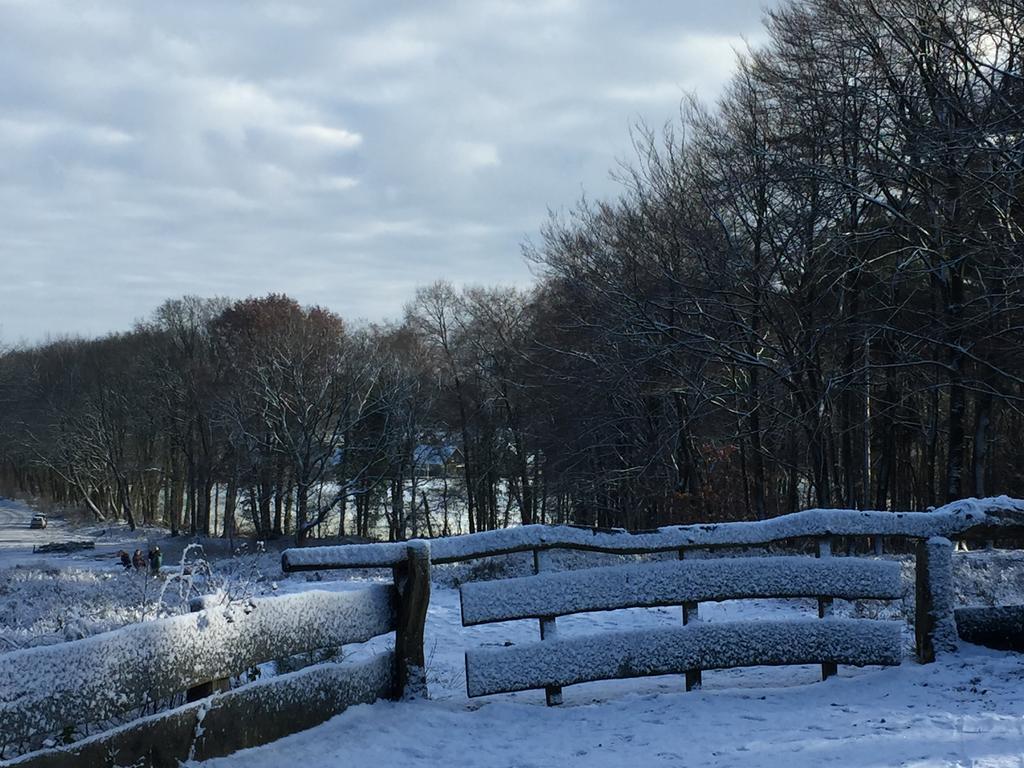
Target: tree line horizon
<point>806,294</point>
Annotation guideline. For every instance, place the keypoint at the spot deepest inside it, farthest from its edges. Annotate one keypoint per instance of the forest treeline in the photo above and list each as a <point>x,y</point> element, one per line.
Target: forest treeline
<point>808,293</point>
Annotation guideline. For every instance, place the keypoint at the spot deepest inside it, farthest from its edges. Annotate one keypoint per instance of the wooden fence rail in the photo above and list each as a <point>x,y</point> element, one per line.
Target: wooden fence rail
<point>675,650</point>
<point>978,518</point>
<point>88,682</point>
<point>91,680</point>
<point>674,582</point>
<point>255,714</point>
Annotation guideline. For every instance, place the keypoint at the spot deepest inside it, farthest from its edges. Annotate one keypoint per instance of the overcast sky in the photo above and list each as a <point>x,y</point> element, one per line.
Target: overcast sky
<point>342,152</point>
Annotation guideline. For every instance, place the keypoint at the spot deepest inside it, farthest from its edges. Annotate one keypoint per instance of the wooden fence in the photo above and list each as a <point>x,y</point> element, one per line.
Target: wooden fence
<point>928,534</point>
<point>54,689</point>
<point>685,649</point>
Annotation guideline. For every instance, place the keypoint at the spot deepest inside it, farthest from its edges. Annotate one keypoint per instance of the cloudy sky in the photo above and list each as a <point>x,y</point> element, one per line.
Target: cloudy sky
<point>341,151</point>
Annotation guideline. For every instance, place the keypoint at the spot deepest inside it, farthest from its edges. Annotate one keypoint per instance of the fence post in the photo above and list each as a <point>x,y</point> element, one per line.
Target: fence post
<point>548,628</point>
<point>828,669</point>
<point>221,684</point>
<point>934,621</point>
<point>412,583</point>
<point>691,612</point>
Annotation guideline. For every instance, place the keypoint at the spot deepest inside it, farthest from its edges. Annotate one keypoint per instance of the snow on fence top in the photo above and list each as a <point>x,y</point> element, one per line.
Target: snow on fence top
<point>950,520</point>
<point>676,582</point>
<point>42,690</point>
<point>639,653</point>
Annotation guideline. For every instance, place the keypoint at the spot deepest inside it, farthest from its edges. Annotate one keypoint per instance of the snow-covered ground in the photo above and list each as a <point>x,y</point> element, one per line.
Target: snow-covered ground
<point>49,598</point>
<point>966,710</point>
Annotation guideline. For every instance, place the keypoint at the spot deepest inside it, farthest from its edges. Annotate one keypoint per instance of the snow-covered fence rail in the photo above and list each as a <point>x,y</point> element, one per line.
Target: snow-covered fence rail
<point>255,714</point>
<point>678,649</point>
<point>91,680</point>
<point>979,518</point>
<point>995,626</point>
<point>555,662</point>
<point>88,682</point>
<point>674,582</point>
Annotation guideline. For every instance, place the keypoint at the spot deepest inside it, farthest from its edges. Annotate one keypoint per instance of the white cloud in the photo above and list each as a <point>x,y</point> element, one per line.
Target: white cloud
<point>337,138</point>
<point>707,61</point>
<point>658,93</point>
<point>102,134</point>
<point>290,13</point>
<point>396,47</point>
<point>237,105</point>
<point>31,130</point>
<point>341,151</point>
<point>14,132</point>
<point>470,156</point>
<point>338,183</point>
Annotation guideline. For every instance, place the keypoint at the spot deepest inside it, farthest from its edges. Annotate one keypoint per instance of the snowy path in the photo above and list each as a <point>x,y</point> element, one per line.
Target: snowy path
<point>968,710</point>
<point>16,538</point>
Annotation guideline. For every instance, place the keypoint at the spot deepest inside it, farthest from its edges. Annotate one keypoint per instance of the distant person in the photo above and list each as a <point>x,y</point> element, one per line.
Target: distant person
<point>138,560</point>
<point>126,560</point>
<point>156,560</point>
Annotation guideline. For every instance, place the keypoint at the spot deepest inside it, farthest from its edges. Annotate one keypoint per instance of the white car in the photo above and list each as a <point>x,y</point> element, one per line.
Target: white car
<point>38,521</point>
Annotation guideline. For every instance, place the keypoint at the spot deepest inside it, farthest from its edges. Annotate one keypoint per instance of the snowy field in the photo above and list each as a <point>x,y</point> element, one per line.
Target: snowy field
<point>968,709</point>
<point>50,598</point>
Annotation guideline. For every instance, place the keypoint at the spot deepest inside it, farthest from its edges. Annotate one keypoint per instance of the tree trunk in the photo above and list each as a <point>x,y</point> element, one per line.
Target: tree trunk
<point>983,419</point>
<point>230,503</point>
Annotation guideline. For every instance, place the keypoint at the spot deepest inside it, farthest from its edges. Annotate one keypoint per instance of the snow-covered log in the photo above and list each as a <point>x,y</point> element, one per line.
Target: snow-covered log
<point>677,582</point>
<point>87,681</point>
<point>255,714</point>
<point>950,520</point>
<point>994,626</point>
<point>674,650</point>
